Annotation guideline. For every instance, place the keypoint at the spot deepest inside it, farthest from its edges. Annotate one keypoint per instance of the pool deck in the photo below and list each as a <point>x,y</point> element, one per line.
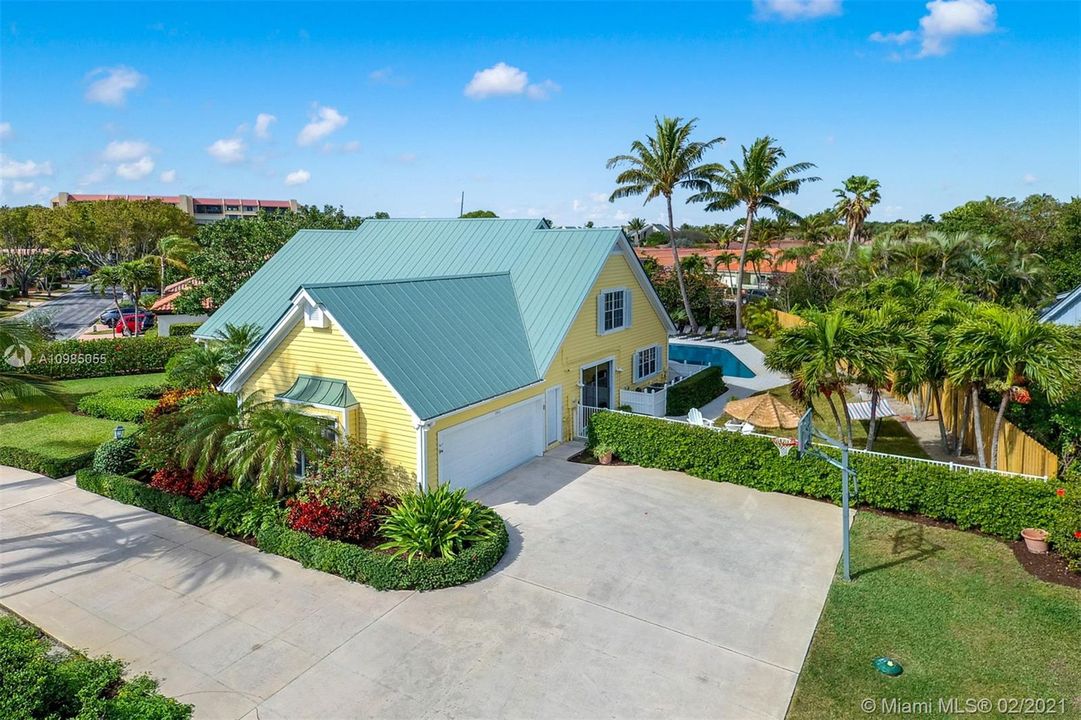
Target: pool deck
<point>738,387</point>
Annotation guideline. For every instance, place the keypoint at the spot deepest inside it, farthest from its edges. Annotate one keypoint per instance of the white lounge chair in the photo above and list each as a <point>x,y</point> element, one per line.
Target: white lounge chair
<point>695,417</point>
<point>746,428</point>
<point>733,426</point>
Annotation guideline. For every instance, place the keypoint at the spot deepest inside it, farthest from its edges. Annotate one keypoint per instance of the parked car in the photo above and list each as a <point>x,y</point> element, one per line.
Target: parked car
<point>127,323</point>
<point>110,316</point>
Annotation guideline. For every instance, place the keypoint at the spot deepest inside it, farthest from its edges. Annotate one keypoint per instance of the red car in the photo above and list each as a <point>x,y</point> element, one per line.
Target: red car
<point>126,324</point>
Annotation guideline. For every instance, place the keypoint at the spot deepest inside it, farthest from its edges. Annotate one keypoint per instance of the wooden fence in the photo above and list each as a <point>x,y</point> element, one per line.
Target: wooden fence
<point>1017,452</point>
<point>788,320</point>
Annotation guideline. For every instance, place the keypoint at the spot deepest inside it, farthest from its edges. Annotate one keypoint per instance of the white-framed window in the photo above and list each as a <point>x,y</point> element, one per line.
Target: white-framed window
<point>647,362</point>
<point>303,462</point>
<point>613,310</point>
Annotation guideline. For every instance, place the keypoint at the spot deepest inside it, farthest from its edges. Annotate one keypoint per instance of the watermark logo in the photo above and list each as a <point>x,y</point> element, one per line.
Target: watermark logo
<point>17,355</point>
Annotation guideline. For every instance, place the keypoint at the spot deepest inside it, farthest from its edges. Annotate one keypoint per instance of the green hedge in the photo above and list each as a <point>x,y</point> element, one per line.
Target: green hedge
<point>72,359</point>
<point>183,329</point>
<point>123,404</point>
<point>38,681</point>
<point>43,464</point>
<point>696,391</point>
<point>996,504</point>
<point>132,492</point>
<point>371,567</point>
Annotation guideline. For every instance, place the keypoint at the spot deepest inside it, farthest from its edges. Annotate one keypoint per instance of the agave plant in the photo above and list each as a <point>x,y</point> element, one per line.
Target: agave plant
<point>436,524</point>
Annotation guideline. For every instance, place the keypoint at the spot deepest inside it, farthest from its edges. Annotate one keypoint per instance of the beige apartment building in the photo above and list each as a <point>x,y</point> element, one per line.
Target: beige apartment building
<point>205,210</point>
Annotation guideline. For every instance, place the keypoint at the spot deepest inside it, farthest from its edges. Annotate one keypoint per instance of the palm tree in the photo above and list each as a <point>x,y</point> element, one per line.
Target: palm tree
<point>173,251</point>
<point>756,256</point>
<point>237,340</point>
<point>758,184</point>
<point>18,340</point>
<point>723,260</point>
<point>817,228</point>
<point>108,278</point>
<point>266,449</point>
<point>666,161</point>
<point>1005,348</point>
<point>207,422</point>
<point>207,364</point>
<point>136,276</point>
<point>634,228</point>
<point>854,202</point>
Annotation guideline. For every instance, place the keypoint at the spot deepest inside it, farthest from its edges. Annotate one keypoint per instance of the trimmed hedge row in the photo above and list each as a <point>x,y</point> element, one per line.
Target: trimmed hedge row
<point>696,391</point>
<point>73,359</point>
<point>42,464</point>
<point>371,567</point>
<point>183,329</point>
<point>123,404</point>
<point>996,504</point>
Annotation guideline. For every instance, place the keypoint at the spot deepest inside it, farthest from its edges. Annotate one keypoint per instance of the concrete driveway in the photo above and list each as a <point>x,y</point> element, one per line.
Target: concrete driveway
<point>73,312</point>
<point>625,593</point>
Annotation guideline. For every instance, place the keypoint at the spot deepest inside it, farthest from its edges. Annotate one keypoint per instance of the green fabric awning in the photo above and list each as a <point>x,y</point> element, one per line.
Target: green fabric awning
<point>314,390</point>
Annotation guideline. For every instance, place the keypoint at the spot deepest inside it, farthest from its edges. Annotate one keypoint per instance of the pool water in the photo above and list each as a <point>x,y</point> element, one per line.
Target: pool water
<point>709,355</point>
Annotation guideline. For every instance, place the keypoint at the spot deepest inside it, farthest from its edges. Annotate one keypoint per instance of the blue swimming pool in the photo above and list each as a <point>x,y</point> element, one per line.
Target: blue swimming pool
<point>708,355</point>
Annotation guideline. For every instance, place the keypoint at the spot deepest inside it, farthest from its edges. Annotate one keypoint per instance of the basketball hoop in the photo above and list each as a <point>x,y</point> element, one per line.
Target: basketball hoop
<point>785,444</point>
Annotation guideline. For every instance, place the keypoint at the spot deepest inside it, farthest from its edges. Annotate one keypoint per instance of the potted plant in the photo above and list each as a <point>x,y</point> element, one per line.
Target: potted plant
<point>1035,540</point>
<point>603,453</point>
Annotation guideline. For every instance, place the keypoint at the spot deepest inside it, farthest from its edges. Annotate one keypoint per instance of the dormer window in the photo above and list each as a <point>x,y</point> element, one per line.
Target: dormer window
<point>314,317</point>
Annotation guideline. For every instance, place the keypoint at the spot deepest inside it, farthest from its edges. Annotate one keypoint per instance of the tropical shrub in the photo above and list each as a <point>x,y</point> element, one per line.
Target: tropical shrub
<point>171,401</point>
<point>179,481</point>
<point>158,441</point>
<point>116,456</point>
<point>696,391</point>
<point>1066,528</point>
<point>760,319</point>
<point>123,404</point>
<point>439,523</point>
<point>316,512</point>
<point>70,359</point>
<point>241,512</point>
<point>354,471</point>
<point>38,682</point>
<point>997,504</point>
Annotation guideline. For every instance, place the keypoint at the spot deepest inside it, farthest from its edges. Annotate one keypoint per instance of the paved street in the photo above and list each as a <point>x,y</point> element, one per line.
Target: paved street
<point>73,312</point>
<point>626,592</point>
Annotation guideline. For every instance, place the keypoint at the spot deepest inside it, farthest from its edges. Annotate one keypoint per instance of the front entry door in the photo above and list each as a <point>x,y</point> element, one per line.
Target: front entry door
<point>597,385</point>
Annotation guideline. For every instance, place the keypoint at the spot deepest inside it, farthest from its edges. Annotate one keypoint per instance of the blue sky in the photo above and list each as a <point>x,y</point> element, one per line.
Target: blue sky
<point>400,107</point>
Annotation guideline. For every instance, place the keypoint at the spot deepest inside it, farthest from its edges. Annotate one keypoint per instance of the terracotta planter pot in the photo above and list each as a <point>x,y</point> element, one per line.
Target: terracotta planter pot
<point>1035,540</point>
<point>605,458</point>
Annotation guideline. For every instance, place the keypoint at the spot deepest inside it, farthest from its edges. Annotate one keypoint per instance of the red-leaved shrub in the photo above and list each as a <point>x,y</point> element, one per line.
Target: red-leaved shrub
<point>170,402</point>
<point>178,481</point>
<point>312,513</point>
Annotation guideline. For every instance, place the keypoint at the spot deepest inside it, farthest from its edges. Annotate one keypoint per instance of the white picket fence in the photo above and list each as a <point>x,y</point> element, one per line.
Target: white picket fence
<point>585,413</point>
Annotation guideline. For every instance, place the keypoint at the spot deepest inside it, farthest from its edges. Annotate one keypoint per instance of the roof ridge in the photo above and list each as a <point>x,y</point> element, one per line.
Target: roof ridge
<point>402,281</point>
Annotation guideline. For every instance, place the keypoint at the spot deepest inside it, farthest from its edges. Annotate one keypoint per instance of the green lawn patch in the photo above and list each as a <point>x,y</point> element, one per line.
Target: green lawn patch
<point>49,438</point>
<point>959,613</point>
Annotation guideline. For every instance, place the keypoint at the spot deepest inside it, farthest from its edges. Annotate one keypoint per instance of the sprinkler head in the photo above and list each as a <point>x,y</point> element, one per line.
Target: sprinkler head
<point>888,666</point>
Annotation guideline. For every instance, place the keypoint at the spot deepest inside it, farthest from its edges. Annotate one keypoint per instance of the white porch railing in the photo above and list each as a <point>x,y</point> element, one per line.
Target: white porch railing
<point>582,414</point>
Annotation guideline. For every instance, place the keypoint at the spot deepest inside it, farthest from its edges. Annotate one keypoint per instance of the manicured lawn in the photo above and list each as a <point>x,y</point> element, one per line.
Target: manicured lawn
<point>959,613</point>
<point>892,436</point>
<point>51,429</point>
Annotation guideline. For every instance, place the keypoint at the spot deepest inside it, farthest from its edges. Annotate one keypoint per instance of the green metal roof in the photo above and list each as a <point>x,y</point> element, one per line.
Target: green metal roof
<point>551,270</point>
<point>442,343</point>
<point>313,390</point>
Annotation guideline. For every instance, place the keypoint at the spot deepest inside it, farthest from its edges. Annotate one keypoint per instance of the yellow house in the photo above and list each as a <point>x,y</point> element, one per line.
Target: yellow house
<point>462,347</point>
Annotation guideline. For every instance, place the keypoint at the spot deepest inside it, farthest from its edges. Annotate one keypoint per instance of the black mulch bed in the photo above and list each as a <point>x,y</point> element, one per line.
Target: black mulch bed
<point>587,458</point>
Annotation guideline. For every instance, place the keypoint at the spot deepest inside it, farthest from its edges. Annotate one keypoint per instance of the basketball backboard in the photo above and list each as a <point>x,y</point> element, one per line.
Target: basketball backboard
<point>804,431</point>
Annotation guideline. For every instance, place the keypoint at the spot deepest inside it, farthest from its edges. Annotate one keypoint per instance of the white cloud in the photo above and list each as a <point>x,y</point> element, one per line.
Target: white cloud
<point>135,170</point>
<point>324,121</point>
<point>263,122</point>
<point>5,131</point>
<point>795,9</point>
<point>11,169</point>
<point>298,177</point>
<point>23,187</point>
<point>1029,179</point>
<point>125,150</point>
<point>504,79</point>
<point>228,151</point>
<point>95,176</point>
<point>167,176</point>
<point>944,21</point>
<point>110,86</point>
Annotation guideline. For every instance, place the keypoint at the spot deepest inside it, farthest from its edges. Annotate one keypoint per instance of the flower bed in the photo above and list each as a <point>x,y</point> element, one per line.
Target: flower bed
<point>374,567</point>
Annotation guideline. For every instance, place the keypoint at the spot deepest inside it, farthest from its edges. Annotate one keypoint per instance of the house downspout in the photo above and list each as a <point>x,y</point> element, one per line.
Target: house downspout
<point>422,427</point>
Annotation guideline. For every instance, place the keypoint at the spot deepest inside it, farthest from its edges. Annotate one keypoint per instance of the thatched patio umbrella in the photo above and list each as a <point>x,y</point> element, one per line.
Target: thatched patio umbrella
<point>763,411</point>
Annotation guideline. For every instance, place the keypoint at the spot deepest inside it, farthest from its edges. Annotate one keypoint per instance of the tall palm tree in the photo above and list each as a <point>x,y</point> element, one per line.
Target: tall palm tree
<point>136,276</point>
<point>854,202</point>
<point>634,228</point>
<point>1005,347</point>
<point>723,260</point>
<point>265,450</point>
<point>666,161</point>
<point>757,183</point>
<point>173,251</point>
<point>817,228</point>
<point>108,278</point>
<point>756,256</point>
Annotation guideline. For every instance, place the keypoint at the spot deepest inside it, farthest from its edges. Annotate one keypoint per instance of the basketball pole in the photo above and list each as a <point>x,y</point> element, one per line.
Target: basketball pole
<point>845,519</point>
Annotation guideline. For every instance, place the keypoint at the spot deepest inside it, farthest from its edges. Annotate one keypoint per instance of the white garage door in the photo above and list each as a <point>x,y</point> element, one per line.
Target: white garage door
<point>481,449</point>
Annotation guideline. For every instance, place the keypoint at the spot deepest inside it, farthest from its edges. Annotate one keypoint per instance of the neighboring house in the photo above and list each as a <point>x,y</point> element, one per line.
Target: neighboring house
<point>1066,309</point>
<point>462,348</point>
<point>173,291</point>
<point>761,277</point>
